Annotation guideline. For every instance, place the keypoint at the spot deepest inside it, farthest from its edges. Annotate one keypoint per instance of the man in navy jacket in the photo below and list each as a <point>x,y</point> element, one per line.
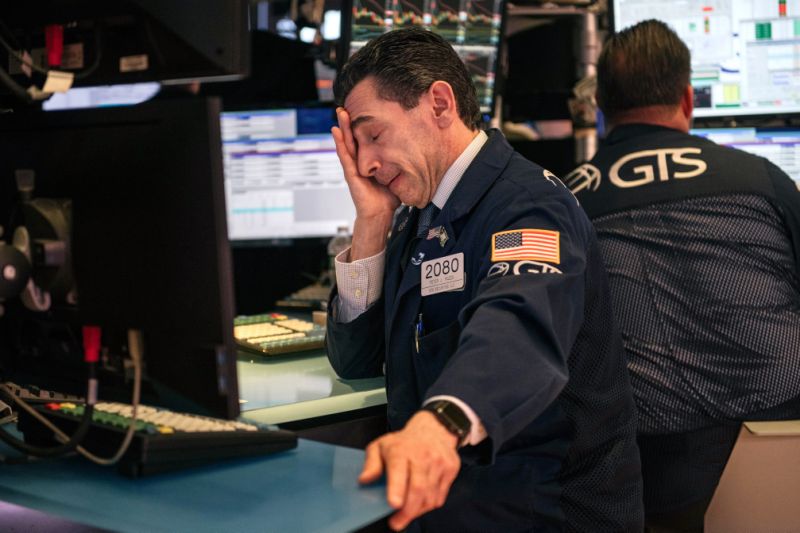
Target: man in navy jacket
<point>702,246</point>
<point>487,309</point>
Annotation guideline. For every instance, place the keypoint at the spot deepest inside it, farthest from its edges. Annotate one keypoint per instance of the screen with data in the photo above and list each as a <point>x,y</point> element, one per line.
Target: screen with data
<point>781,146</point>
<point>745,53</point>
<point>473,27</point>
<point>283,179</point>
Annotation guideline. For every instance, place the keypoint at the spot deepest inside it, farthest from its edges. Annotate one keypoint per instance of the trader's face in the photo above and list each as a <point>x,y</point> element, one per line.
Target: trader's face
<point>396,147</point>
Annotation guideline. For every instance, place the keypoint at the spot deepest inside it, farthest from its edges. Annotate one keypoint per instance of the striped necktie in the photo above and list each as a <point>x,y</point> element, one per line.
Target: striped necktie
<point>426,216</point>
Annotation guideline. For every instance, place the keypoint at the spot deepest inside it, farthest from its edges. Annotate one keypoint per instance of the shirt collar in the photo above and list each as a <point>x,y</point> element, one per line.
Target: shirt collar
<point>457,170</point>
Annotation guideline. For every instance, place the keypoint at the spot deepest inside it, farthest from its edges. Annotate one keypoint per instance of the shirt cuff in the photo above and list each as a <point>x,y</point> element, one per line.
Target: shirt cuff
<point>477,432</point>
<point>359,283</point>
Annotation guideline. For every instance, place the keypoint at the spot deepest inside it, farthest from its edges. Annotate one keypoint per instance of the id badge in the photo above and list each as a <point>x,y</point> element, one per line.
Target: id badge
<point>443,274</point>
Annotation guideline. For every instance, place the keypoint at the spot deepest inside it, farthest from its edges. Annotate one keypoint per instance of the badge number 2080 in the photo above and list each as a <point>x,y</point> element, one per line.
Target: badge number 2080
<point>443,274</point>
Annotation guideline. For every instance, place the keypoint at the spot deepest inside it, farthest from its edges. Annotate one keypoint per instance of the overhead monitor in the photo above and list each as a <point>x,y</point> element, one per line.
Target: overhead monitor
<point>120,42</point>
<point>473,27</point>
<point>745,53</point>
<point>779,145</point>
<point>283,179</point>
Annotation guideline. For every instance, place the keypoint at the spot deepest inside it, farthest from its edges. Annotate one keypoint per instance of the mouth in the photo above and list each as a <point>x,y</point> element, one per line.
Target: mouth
<point>389,182</point>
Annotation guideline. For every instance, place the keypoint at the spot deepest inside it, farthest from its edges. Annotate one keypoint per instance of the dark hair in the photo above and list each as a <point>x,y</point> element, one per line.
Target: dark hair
<point>644,65</point>
<point>404,64</point>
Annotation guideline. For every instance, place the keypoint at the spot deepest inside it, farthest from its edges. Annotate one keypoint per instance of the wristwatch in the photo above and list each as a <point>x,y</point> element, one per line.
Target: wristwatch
<point>452,418</point>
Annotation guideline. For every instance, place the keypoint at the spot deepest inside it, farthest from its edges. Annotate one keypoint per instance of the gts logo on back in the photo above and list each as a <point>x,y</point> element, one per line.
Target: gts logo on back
<point>650,165</point>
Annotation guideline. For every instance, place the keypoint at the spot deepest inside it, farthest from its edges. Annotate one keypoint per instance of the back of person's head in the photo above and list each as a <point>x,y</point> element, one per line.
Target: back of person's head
<point>404,64</point>
<point>644,65</point>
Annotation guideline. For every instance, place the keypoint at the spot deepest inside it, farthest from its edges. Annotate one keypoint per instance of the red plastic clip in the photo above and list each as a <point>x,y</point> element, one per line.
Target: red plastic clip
<point>91,344</point>
<point>54,42</point>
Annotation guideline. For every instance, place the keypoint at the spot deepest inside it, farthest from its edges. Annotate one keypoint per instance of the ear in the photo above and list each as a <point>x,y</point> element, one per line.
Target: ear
<point>687,102</point>
<point>443,102</point>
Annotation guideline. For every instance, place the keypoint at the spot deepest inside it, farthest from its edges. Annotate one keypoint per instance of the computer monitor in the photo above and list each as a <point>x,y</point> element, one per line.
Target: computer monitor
<point>126,41</point>
<point>473,27</point>
<point>283,179</point>
<point>780,145</point>
<point>148,247</point>
<point>745,56</point>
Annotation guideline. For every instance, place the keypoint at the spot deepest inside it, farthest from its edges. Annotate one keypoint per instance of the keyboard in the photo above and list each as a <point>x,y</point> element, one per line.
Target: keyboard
<point>164,440</point>
<point>310,298</point>
<point>276,333</point>
<point>32,393</point>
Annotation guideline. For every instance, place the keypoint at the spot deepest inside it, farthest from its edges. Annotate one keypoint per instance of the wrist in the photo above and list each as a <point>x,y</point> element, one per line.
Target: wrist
<point>452,418</point>
<point>370,235</point>
<point>427,423</point>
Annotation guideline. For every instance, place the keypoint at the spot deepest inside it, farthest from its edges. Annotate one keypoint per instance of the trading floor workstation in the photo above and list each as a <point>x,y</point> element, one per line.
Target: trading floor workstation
<point>170,259</point>
<point>118,287</point>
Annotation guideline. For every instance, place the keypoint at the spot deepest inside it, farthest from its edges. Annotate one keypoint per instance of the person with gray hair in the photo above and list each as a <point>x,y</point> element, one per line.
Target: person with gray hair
<point>702,247</point>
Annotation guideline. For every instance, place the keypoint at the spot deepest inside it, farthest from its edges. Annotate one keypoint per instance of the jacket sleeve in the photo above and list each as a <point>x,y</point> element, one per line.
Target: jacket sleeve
<point>517,333</point>
<point>356,349</point>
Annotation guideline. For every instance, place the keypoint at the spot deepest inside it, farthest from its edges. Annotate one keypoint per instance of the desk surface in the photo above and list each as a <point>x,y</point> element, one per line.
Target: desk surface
<point>282,389</point>
<point>310,489</point>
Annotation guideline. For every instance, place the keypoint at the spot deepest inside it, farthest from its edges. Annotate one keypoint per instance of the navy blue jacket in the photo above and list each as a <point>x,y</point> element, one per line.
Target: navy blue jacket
<point>530,346</point>
<point>702,247</point>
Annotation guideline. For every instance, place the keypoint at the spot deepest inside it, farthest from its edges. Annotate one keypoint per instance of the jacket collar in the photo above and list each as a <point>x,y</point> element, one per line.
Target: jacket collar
<point>625,132</point>
<point>479,177</point>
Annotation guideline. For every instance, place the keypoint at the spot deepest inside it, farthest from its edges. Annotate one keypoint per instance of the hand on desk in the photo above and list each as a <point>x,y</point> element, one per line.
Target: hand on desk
<point>420,462</point>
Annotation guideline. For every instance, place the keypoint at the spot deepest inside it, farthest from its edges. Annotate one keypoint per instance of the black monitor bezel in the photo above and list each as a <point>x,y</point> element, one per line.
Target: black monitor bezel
<point>183,40</point>
<point>187,368</point>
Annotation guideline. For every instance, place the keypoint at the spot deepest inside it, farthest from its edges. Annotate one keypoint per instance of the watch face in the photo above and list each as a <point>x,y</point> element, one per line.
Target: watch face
<point>451,416</point>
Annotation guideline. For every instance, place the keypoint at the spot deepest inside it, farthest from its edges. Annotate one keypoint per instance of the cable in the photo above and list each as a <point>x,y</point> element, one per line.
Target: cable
<point>16,55</point>
<point>10,35</point>
<point>68,443</point>
<point>135,350</point>
<point>15,87</point>
<point>98,52</point>
<point>98,40</point>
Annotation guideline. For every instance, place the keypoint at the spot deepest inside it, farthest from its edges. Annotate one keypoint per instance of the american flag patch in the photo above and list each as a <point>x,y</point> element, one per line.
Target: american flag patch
<point>526,245</point>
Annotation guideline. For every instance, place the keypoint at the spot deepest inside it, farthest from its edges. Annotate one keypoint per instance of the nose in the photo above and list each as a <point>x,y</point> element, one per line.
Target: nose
<point>368,162</point>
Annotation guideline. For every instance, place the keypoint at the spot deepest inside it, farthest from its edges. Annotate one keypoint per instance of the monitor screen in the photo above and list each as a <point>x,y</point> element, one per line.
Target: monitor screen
<point>283,179</point>
<point>474,28</point>
<point>781,146</point>
<point>102,96</point>
<point>139,194</point>
<point>745,53</point>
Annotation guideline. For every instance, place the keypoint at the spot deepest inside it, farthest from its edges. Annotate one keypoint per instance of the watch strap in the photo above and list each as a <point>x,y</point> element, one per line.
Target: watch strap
<point>452,417</point>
